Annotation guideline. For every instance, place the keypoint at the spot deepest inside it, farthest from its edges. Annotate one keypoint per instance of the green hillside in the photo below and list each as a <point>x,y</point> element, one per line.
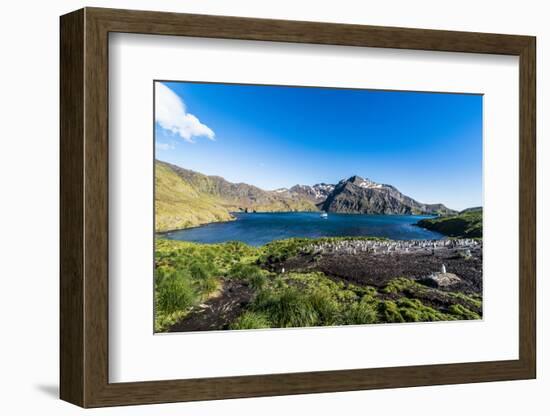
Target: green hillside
<point>184,198</point>
<point>468,223</point>
<point>179,205</point>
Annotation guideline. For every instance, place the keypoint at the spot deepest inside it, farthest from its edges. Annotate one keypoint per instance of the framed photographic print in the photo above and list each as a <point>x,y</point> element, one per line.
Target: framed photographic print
<point>260,207</point>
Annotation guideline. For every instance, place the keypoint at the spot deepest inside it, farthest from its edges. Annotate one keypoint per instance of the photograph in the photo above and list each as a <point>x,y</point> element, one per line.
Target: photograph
<point>306,206</point>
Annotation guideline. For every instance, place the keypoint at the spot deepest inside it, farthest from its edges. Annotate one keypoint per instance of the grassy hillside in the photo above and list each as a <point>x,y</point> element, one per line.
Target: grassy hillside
<point>241,196</point>
<point>184,199</point>
<point>179,205</point>
<point>468,223</point>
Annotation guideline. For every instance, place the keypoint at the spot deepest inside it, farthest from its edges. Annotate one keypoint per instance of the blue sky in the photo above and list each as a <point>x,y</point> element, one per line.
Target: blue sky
<point>428,145</point>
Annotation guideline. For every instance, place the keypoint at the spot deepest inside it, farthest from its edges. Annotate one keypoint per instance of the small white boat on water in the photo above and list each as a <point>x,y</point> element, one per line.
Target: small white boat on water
<point>324,215</point>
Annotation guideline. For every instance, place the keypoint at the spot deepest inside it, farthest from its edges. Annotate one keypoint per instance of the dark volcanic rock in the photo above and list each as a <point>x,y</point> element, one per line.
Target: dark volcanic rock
<point>363,196</point>
<point>317,193</point>
<point>378,267</point>
<point>216,313</point>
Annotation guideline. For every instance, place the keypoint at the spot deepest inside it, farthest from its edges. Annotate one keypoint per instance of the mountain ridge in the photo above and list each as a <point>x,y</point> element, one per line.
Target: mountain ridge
<point>364,196</point>
<point>199,199</point>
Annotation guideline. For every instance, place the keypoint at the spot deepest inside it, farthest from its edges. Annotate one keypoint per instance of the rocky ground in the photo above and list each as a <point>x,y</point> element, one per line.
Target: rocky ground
<point>217,312</point>
<point>376,263</point>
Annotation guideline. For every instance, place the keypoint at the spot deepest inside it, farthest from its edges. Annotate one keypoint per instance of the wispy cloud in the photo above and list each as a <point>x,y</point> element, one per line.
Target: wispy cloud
<point>165,146</point>
<point>171,114</point>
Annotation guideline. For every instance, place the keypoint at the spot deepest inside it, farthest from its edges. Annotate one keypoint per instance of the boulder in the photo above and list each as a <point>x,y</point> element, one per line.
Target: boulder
<point>441,280</point>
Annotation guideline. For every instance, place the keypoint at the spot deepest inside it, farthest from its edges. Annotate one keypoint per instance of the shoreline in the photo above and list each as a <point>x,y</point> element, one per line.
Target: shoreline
<point>190,228</point>
<point>294,212</point>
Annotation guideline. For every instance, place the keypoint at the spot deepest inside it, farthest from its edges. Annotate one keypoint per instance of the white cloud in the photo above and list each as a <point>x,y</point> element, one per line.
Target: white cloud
<point>171,114</point>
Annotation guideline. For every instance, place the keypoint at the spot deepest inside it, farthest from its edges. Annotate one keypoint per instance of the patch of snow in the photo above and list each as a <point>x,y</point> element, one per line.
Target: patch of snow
<point>367,184</point>
<point>321,190</point>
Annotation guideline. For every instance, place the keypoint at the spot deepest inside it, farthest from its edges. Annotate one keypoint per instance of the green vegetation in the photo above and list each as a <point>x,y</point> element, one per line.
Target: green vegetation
<point>471,301</point>
<point>389,312</point>
<point>312,299</point>
<point>413,310</point>
<point>185,199</point>
<point>467,224</point>
<point>175,293</point>
<point>179,205</point>
<point>287,307</point>
<point>462,312</point>
<point>362,312</point>
<point>251,320</point>
<point>402,284</point>
<point>188,274</point>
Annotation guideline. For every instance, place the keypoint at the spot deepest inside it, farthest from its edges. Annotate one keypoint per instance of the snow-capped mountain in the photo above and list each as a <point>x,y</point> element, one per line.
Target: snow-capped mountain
<point>355,195</point>
<point>316,193</point>
<point>362,195</point>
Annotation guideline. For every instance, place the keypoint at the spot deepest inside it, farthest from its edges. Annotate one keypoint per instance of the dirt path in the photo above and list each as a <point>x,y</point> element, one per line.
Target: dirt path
<point>216,313</point>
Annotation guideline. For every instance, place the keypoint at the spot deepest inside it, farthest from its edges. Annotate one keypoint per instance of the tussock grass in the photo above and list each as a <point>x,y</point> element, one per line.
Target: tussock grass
<point>413,310</point>
<point>389,312</point>
<point>473,301</point>
<point>360,313</point>
<point>461,312</point>
<point>326,306</point>
<point>251,320</point>
<point>189,273</point>
<point>286,308</point>
<point>401,284</point>
<point>176,292</point>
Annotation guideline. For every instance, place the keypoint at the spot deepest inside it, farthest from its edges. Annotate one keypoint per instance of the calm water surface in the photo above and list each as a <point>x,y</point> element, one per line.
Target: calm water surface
<point>261,228</point>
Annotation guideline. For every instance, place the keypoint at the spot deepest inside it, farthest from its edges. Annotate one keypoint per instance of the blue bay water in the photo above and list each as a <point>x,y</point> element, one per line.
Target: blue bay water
<point>257,229</point>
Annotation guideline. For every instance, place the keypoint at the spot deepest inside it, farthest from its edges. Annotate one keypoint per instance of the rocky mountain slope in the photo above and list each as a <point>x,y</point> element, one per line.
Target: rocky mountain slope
<point>317,193</point>
<point>199,199</point>
<point>359,195</point>
<point>185,198</point>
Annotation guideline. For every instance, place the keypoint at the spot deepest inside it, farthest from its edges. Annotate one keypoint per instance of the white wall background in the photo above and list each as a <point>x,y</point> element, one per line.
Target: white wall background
<point>29,209</point>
